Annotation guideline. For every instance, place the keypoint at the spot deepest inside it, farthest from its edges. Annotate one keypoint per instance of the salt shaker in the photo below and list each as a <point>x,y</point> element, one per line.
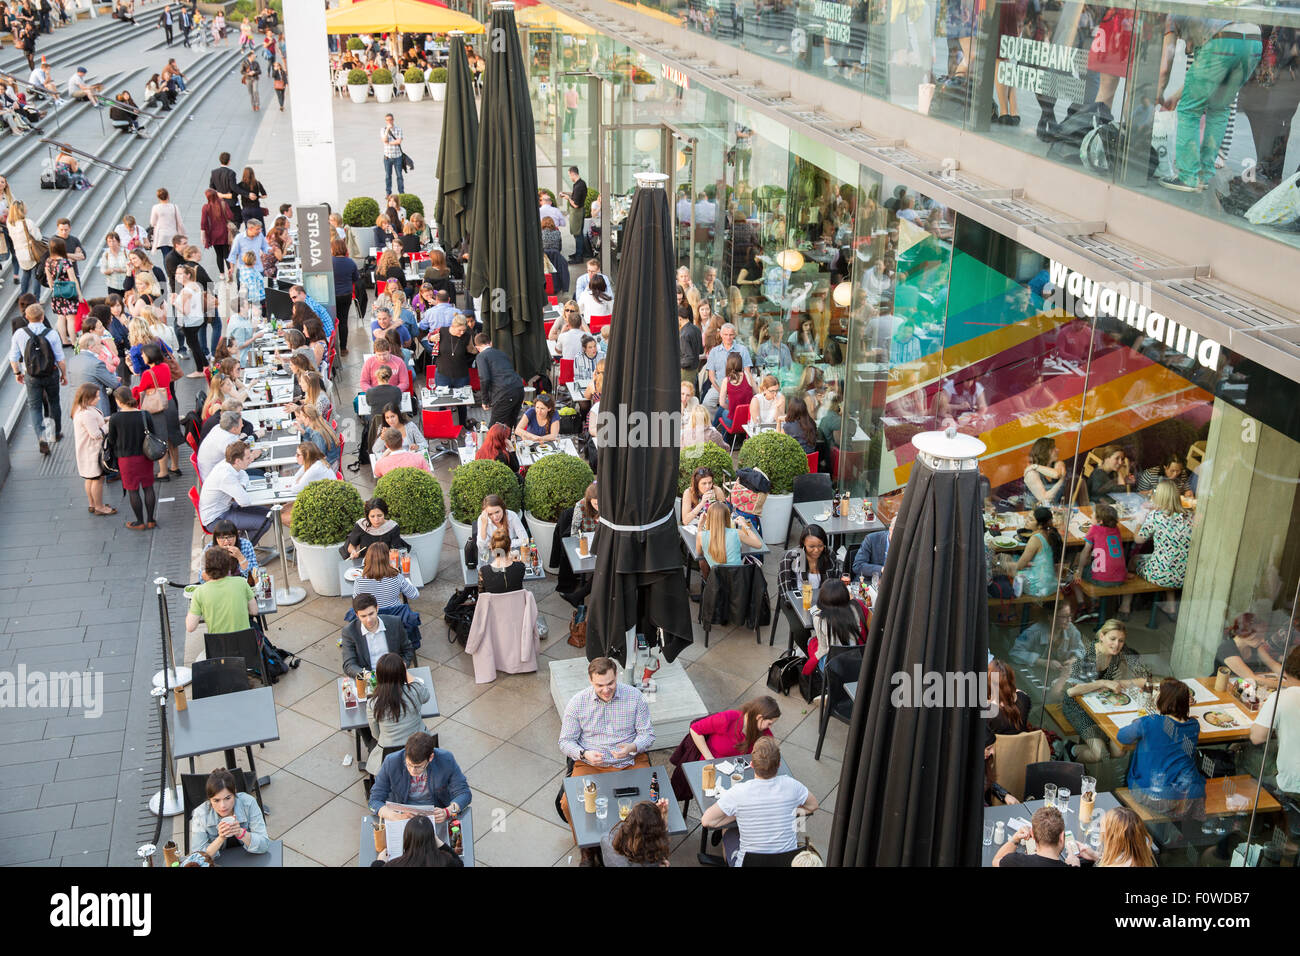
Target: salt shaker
<point>999,833</point>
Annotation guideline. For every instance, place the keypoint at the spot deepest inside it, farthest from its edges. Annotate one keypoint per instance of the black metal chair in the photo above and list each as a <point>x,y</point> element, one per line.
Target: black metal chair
<point>834,701</point>
<point>1059,772</point>
<point>194,794</point>
<point>213,677</point>
<point>813,487</point>
<point>238,644</point>
<point>725,582</point>
<point>770,859</point>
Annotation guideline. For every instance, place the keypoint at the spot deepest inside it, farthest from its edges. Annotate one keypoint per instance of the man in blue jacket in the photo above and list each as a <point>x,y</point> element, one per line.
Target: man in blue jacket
<point>870,558</point>
<point>419,775</point>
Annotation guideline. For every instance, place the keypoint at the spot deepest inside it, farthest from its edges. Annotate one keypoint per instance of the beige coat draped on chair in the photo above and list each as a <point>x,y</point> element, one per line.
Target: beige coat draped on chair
<point>503,636</point>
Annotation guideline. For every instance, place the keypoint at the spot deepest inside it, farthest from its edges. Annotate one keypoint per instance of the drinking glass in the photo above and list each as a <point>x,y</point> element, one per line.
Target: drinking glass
<point>1094,838</point>
<point>1063,798</point>
<point>602,808</point>
<point>988,834</point>
<point>624,808</point>
<point>1049,794</point>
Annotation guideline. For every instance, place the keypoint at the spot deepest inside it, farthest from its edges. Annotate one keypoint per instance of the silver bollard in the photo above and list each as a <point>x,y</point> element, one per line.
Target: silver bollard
<point>284,594</point>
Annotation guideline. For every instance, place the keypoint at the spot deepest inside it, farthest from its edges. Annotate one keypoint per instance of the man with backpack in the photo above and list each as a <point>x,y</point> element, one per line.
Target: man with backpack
<point>36,358</point>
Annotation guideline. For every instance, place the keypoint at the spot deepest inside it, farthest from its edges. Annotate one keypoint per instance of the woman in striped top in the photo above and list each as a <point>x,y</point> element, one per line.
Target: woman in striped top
<point>380,578</point>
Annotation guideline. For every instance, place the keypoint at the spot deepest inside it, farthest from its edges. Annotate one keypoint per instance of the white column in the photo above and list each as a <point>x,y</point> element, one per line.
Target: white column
<point>311,93</point>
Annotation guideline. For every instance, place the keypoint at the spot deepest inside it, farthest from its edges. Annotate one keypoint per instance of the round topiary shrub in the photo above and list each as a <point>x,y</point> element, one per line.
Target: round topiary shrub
<point>707,455</point>
<point>474,481</point>
<point>358,78</point>
<point>414,500</point>
<point>778,456</point>
<point>438,74</point>
<point>382,77</point>
<point>356,44</point>
<point>413,74</point>
<point>555,483</point>
<point>325,512</point>
<point>361,211</point>
<point>411,203</point>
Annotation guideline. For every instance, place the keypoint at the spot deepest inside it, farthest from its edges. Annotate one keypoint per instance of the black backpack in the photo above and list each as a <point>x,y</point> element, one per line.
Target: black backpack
<point>38,355</point>
<point>458,613</point>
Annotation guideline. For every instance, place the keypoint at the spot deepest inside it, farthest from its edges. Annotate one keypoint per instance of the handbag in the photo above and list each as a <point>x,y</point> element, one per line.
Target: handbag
<point>154,447</point>
<point>63,288</point>
<point>407,163</point>
<point>784,672</point>
<point>154,400</point>
<point>577,631</point>
<point>38,248</point>
<point>173,366</point>
<point>108,459</point>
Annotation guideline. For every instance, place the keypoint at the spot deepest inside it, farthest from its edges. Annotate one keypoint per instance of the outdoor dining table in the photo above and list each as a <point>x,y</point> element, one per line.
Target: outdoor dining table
<point>581,563</point>
<point>695,779</point>
<point>354,718</point>
<point>432,398</point>
<point>530,453</point>
<point>1025,810</point>
<point>366,851</point>
<point>363,407</point>
<point>810,512</point>
<point>281,394</point>
<point>265,492</point>
<point>277,452</point>
<point>577,388</point>
<point>237,856</point>
<point>471,574</point>
<point>588,829</point>
<point>345,585</point>
<point>224,722</point>
<point>688,532</point>
<point>1111,715</point>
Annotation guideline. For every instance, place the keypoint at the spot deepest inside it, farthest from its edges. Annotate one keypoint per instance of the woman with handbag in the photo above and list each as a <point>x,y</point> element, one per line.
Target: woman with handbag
<point>279,80</point>
<point>89,429</point>
<point>127,431</point>
<point>214,222</point>
<point>156,398</point>
<point>251,193</point>
<point>65,289</point>
<point>28,246</point>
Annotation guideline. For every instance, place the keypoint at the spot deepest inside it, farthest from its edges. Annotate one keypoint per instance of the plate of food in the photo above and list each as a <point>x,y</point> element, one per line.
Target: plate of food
<point>1006,541</point>
<point>190,589</point>
<point>1114,698</point>
<point>1221,719</point>
<point>351,574</point>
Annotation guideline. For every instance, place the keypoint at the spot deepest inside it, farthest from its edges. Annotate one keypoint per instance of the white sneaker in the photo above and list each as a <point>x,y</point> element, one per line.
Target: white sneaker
<point>830,61</point>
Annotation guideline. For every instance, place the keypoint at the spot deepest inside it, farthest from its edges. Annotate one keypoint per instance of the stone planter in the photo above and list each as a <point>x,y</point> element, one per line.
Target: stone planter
<point>427,550</point>
<point>383,92</point>
<point>320,566</point>
<point>461,531</point>
<point>641,91</point>
<point>543,534</point>
<point>415,92</point>
<point>438,92</point>
<point>358,92</point>
<point>776,518</point>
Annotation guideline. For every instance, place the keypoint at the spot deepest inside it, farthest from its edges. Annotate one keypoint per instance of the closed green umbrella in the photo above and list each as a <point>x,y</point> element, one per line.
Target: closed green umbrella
<point>458,150</point>
<point>505,261</point>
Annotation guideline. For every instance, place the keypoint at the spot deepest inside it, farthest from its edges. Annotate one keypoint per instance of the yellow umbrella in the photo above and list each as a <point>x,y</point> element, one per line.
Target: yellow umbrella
<point>398,16</point>
<point>549,17</point>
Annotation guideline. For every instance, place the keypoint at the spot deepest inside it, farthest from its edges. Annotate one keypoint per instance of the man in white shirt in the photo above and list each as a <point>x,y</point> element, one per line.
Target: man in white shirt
<point>584,280</point>
<point>706,213</point>
<point>546,208</point>
<point>79,89</point>
<point>44,83</point>
<point>1282,712</point>
<point>570,340</point>
<point>212,450</point>
<point>763,809</point>
<point>225,495</point>
<point>683,207</point>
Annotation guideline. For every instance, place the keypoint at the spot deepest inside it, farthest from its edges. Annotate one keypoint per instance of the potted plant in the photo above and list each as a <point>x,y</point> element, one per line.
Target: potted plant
<point>553,484</point>
<point>642,81</point>
<point>779,457</point>
<point>415,502</point>
<point>470,484</point>
<point>382,81</point>
<point>438,83</point>
<point>355,43</point>
<point>706,455</point>
<point>324,514</point>
<point>412,203</point>
<point>358,86</point>
<point>414,79</point>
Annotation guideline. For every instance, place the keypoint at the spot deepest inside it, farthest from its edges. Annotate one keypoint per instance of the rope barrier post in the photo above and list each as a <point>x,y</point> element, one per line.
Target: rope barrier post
<point>284,594</point>
<point>173,676</point>
<point>146,853</point>
<point>169,801</point>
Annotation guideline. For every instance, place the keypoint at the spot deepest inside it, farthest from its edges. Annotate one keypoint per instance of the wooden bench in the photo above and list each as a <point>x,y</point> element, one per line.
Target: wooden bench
<point>1024,601</point>
<point>1216,804</point>
<point>1057,713</point>
<point>1135,584</point>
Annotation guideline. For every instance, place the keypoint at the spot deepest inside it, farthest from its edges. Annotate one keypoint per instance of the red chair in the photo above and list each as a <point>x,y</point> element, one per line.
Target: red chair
<point>192,441</point>
<point>835,464</point>
<point>194,460</point>
<point>194,500</point>
<point>550,284</point>
<point>473,379</point>
<point>553,299</point>
<point>740,418</point>
<point>548,326</point>
<point>566,371</point>
<point>441,427</point>
<point>598,322</point>
<point>812,463</point>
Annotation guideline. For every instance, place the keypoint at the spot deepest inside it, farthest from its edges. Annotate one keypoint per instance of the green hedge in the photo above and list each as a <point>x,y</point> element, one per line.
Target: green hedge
<point>381,77</point>
<point>356,44</point>
<point>361,211</point>
<point>358,78</point>
<point>414,500</point>
<point>706,455</point>
<point>325,512</point>
<point>474,481</point>
<point>411,203</point>
<point>413,74</point>
<point>438,74</point>
<point>555,483</point>
<point>778,456</point>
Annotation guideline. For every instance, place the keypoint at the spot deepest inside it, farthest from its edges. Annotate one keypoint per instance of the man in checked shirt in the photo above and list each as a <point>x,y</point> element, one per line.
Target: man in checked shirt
<point>606,727</point>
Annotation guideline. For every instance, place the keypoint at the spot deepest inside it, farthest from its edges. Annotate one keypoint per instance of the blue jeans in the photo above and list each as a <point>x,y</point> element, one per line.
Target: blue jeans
<point>446,381</point>
<point>1221,68</point>
<point>392,164</point>
<point>254,521</point>
<point>28,282</point>
<point>42,392</point>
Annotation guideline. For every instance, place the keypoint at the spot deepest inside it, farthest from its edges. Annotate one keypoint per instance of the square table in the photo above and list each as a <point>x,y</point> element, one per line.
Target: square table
<point>237,856</point>
<point>470,575</point>
<point>265,492</point>
<point>363,407</point>
<point>753,428</point>
<point>277,453</point>
<point>694,777</point>
<point>224,722</point>
<point>589,830</point>
<point>354,718</point>
<point>366,851</point>
<point>581,564</point>
<point>466,454</point>
<point>430,398</point>
<point>345,586</point>
<point>281,394</point>
<point>807,511</point>
<point>577,388</point>
<point>530,453</point>
<point>1204,695</point>
<point>1104,802</point>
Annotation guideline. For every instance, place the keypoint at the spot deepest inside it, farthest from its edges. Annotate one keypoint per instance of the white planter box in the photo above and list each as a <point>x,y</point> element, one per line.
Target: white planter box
<point>438,92</point>
<point>358,92</point>
<point>320,566</point>
<point>383,92</point>
<point>543,535</point>
<point>461,531</point>
<point>427,549</point>
<point>640,91</point>
<point>415,92</point>
<point>776,518</point>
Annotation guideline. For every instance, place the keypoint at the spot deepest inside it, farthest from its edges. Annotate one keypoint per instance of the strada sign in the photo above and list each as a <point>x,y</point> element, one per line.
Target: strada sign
<point>314,234</point>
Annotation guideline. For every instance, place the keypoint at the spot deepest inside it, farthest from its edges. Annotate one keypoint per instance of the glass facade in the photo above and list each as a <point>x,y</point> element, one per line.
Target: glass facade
<point>1143,502</point>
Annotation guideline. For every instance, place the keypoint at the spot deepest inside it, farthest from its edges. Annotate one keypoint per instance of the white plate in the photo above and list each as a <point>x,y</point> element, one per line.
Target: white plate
<point>1005,541</point>
<point>823,516</point>
<point>351,574</point>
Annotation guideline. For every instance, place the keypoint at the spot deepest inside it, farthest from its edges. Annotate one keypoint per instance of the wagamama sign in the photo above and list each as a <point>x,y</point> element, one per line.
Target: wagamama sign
<point>1088,297</point>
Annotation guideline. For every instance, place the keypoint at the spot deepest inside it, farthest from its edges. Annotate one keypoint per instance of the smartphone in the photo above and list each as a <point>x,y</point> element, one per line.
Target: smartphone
<point>1071,844</point>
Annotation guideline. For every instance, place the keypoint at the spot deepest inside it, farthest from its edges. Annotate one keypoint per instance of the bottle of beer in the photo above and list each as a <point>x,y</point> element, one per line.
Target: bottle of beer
<point>654,787</point>
<point>268,390</point>
<point>835,506</point>
<point>532,553</point>
<point>455,837</point>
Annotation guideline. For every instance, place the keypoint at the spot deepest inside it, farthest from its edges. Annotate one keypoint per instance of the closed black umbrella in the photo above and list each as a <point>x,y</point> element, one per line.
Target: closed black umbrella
<point>505,261</point>
<point>458,150</point>
<point>912,782</point>
<point>638,580</point>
